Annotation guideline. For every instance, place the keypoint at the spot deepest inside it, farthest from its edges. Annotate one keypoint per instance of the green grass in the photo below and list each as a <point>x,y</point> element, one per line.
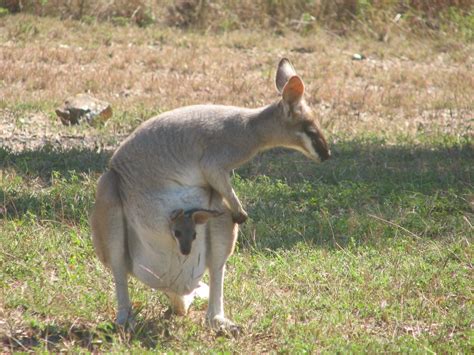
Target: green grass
<point>371,251</point>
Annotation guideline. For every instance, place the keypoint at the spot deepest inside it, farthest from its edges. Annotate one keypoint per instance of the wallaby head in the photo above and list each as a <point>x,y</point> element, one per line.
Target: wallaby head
<point>301,127</point>
<point>183,226</point>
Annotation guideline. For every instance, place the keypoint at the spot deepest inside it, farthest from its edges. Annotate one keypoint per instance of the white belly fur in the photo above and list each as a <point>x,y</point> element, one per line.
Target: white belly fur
<point>155,256</point>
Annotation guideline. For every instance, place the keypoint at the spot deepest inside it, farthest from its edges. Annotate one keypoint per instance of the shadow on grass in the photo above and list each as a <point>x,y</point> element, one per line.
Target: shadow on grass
<point>49,183</point>
<point>427,168</point>
<point>43,162</point>
<point>151,333</point>
<point>52,337</point>
<point>58,337</point>
<point>369,191</point>
<point>423,188</point>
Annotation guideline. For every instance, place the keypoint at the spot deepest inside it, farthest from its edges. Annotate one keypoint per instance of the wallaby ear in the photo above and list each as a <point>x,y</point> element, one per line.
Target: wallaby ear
<point>176,214</point>
<point>284,72</point>
<point>201,216</point>
<point>293,90</point>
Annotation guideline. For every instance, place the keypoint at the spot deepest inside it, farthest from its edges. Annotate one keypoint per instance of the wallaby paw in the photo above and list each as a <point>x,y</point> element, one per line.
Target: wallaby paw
<point>240,217</point>
<point>126,320</point>
<point>223,326</point>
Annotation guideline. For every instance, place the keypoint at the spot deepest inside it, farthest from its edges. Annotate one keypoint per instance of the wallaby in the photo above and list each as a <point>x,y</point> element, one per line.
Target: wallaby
<point>183,226</point>
<point>183,159</point>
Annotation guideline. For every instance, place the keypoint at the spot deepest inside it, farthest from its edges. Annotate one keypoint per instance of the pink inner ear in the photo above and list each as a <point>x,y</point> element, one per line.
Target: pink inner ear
<point>293,90</point>
<point>200,217</point>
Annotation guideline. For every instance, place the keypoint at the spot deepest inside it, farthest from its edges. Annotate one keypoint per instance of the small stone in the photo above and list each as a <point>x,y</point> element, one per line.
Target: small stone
<point>82,107</point>
<point>357,56</point>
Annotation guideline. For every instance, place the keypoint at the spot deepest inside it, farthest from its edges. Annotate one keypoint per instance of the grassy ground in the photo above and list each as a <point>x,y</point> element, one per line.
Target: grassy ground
<point>371,251</point>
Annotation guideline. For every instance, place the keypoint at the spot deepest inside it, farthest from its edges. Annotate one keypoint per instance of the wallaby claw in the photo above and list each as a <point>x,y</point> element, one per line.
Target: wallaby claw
<point>233,331</point>
<point>126,320</point>
<point>224,326</point>
<point>240,218</point>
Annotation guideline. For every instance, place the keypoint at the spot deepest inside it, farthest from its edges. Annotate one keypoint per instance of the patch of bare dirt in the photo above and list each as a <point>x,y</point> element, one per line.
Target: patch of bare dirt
<point>34,130</point>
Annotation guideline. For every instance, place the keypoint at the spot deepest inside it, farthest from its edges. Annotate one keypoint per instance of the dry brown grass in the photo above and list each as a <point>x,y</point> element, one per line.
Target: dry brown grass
<point>403,86</point>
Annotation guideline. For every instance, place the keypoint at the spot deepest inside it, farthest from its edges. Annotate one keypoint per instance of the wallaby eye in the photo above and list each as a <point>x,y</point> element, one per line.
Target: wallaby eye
<point>194,235</point>
<point>311,132</point>
<point>177,234</point>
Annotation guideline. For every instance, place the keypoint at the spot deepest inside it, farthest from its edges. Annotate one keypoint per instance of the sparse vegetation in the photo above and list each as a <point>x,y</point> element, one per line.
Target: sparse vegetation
<point>369,252</point>
<point>377,18</point>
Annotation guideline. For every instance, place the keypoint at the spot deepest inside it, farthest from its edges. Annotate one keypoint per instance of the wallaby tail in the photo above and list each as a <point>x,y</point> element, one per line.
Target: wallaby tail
<point>108,220</point>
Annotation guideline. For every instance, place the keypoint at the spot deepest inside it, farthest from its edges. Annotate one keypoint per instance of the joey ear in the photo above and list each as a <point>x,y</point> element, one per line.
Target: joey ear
<point>176,214</point>
<point>284,72</point>
<point>293,90</point>
<point>201,216</point>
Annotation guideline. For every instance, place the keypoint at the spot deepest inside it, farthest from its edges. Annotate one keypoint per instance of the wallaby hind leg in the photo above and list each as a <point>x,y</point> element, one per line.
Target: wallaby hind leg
<point>222,237</point>
<point>109,238</point>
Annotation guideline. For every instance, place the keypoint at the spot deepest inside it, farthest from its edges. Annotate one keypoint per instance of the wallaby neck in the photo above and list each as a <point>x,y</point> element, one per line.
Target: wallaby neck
<point>260,130</point>
<point>265,126</point>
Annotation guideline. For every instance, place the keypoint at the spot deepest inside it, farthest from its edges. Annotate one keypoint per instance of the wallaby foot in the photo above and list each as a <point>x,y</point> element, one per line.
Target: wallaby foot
<point>125,319</point>
<point>223,325</point>
<point>240,217</point>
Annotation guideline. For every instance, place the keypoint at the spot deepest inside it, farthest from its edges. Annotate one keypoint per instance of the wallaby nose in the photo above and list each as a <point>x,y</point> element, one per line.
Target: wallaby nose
<point>185,250</point>
<point>325,156</point>
<point>321,147</point>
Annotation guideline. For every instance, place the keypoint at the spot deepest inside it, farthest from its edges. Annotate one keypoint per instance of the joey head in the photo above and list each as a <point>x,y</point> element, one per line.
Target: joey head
<point>183,226</point>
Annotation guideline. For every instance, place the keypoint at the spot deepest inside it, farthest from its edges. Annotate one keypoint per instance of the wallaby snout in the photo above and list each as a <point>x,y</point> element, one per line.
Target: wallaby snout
<point>185,248</point>
<point>320,146</point>
<point>183,226</point>
<point>318,141</point>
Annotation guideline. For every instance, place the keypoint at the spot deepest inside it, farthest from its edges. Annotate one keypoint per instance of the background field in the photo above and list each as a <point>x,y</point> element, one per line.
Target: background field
<point>370,251</point>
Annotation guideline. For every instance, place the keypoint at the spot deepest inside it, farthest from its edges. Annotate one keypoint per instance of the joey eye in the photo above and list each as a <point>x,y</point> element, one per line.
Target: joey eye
<point>177,234</point>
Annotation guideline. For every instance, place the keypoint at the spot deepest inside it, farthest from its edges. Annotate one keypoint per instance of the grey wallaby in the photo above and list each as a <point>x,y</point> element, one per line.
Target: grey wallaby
<point>182,159</point>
